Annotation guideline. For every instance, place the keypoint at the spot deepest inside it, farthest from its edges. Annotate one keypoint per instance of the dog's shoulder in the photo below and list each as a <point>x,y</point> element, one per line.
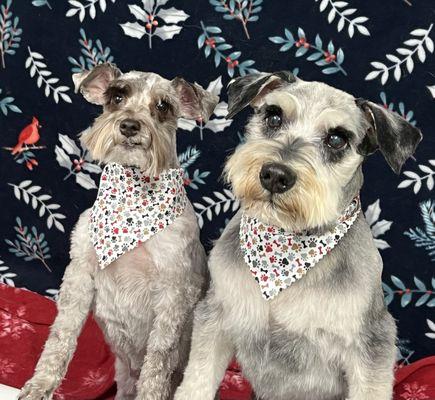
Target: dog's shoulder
<point>227,247</point>
<point>80,240</point>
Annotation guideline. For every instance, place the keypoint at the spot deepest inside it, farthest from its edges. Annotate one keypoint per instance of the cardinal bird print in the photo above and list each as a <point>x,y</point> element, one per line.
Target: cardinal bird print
<point>26,144</point>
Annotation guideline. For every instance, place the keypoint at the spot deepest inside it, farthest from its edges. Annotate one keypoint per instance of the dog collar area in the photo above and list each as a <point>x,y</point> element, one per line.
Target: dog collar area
<point>131,207</point>
<point>278,258</point>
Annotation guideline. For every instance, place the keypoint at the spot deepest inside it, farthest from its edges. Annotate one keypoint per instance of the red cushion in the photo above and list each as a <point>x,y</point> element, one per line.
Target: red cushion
<point>25,318</point>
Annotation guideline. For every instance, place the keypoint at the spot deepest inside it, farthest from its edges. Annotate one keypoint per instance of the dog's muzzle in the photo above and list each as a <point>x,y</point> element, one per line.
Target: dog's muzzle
<point>277,178</point>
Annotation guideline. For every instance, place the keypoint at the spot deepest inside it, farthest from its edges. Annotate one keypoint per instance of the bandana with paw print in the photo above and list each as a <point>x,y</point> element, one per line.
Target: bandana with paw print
<point>131,207</point>
<point>278,258</point>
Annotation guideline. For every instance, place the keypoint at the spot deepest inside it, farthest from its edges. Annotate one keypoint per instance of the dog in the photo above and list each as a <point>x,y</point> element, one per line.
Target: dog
<point>302,325</point>
<point>143,299</point>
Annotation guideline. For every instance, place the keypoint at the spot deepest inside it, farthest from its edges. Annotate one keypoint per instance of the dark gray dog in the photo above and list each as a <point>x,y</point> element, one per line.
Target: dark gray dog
<point>329,335</point>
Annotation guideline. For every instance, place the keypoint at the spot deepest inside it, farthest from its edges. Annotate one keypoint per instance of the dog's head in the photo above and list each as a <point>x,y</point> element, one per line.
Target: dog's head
<point>301,163</point>
<point>139,120</point>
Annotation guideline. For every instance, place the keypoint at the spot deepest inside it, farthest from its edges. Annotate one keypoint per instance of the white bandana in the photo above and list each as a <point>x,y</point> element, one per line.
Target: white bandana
<point>278,258</point>
<point>131,207</point>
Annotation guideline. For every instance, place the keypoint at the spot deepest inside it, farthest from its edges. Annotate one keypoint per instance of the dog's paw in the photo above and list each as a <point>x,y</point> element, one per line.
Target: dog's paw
<point>35,391</point>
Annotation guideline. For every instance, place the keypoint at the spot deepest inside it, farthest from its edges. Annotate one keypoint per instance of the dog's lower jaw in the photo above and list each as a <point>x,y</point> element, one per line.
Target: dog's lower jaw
<point>270,213</point>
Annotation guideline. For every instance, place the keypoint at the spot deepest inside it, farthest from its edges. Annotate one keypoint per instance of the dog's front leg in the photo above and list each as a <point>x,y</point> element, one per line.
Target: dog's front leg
<point>369,367</point>
<point>75,298</point>
<point>369,383</point>
<point>210,354</point>
<point>172,306</point>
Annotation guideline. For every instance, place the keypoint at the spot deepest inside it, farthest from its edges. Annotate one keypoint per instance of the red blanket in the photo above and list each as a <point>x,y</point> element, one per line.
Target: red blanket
<point>25,318</point>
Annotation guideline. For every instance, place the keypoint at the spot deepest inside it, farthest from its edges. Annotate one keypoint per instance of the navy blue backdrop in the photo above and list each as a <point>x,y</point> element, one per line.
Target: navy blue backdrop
<point>381,52</point>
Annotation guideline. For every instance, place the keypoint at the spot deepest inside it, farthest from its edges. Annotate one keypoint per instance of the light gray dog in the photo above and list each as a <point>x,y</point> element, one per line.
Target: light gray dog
<point>329,335</point>
<point>143,301</point>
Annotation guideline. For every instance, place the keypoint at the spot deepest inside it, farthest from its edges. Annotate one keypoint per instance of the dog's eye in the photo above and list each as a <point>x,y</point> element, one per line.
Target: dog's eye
<point>117,99</point>
<point>336,140</point>
<point>273,117</point>
<point>162,106</point>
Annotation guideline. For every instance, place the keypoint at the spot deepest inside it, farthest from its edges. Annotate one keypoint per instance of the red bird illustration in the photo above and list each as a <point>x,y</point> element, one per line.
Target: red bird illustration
<point>29,135</point>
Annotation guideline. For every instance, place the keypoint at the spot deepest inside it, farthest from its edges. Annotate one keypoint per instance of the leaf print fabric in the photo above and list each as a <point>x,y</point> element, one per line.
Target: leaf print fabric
<point>45,187</point>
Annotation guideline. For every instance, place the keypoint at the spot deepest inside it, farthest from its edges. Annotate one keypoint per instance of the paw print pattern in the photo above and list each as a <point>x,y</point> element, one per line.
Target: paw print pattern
<point>284,257</point>
<point>131,207</point>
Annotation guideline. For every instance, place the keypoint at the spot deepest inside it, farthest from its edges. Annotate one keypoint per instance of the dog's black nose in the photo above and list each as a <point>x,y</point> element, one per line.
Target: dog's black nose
<point>276,178</point>
<point>129,127</point>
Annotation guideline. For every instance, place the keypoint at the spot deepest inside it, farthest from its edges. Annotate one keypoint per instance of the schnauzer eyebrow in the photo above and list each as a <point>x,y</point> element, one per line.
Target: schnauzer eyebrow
<point>117,89</point>
<point>332,118</point>
<point>288,103</point>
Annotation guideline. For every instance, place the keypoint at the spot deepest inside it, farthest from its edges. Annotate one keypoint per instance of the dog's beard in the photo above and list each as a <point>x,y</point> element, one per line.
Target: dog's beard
<point>308,204</point>
<point>151,152</point>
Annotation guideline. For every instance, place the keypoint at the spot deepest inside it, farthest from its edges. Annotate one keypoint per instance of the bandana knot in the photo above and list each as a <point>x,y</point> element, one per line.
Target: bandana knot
<point>131,207</point>
<point>278,258</point>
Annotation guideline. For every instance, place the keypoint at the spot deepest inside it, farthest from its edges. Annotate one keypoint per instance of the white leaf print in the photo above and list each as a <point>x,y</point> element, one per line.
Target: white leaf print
<point>431,325</point>
<point>30,192</point>
<point>62,157</point>
<point>148,5</point>
<point>415,179</point>
<point>218,124</point>
<point>214,207</point>
<point>338,10</point>
<point>221,110</point>
<point>53,294</point>
<point>69,145</point>
<point>5,276</point>
<point>186,124</point>
<point>152,16</point>
<point>215,86</point>
<point>90,6</point>
<point>167,32</point>
<point>377,227</point>
<point>85,181</point>
<point>140,14</point>
<point>133,29</point>
<point>172,15</point>
<point>416,45</point>
<point>36,69</point>
<point>77,161</point>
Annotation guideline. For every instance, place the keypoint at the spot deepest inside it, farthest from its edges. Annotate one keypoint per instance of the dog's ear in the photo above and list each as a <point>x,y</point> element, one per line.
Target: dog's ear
<point>395,137</point>
<point>250,88</point>
<point>194,101</point>
<point>92,84</point>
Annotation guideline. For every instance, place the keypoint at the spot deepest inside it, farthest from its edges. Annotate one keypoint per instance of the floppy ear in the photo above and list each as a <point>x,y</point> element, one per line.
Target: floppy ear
<point>395,137</point>
<point>92,84</point>
<point>246,89</point>
<point>194,101</point>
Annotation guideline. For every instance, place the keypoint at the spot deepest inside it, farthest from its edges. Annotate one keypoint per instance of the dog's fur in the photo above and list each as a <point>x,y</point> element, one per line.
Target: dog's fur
<point>329,335</point>
<point>144,300</point>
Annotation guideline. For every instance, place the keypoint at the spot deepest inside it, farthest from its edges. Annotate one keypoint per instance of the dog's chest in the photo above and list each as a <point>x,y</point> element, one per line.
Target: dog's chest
<point>122,303</point>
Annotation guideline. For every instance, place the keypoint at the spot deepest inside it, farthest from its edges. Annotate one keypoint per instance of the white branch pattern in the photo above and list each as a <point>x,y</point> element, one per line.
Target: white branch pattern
<point>38,67</point>
<point>415,46</point>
